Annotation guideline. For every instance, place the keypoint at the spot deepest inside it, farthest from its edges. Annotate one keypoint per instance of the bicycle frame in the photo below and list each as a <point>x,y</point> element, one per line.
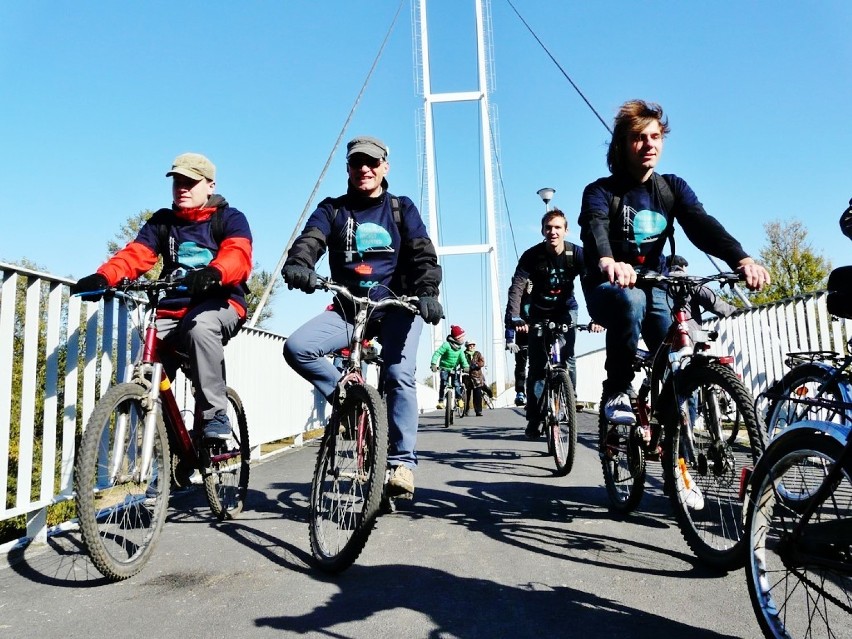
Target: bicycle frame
<point>148,372</point>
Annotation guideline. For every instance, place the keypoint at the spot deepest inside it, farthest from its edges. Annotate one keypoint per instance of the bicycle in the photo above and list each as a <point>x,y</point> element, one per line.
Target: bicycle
<point>816,388</point>
<point>454,396</point>
<point>136,444</point>
<point>799,525</point>
<point>705,462</point>
<point>557,404</point>
<point>348,485</point>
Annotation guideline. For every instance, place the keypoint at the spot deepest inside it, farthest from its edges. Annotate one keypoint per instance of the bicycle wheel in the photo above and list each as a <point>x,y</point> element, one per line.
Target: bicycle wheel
<point>623,463</point>
<point>346,491</point>
<point>460,405</point>
<point>562,418</point>
<point>803,382</point>
<point>120,515</point>
<point>800,586</point>
<point>449,407</point>
<point>704,469</point>
<point>227,477</point>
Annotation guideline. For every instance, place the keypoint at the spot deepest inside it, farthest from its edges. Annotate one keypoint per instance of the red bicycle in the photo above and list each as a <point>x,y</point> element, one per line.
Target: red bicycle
<point>138,443</point>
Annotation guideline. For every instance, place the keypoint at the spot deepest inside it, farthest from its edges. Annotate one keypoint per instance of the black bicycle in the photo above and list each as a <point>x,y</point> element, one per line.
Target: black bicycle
<point>799,531</point>
<point>557,407</point>
<point>689,413</point>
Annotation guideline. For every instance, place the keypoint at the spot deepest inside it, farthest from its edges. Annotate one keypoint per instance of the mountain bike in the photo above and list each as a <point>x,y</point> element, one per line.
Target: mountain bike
<point>557,407</point>
<point>706,461</point>
<point>351,469</point>
<point>138,442</point>
<point>454,396</point>
<point>816,388</point>
<point>799,527</point>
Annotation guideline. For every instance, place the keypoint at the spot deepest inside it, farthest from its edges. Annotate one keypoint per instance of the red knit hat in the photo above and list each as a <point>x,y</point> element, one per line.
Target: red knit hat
<point>457,333</point>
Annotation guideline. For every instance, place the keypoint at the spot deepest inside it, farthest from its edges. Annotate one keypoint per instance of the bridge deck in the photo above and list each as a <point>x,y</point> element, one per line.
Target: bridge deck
<point>493,546</point>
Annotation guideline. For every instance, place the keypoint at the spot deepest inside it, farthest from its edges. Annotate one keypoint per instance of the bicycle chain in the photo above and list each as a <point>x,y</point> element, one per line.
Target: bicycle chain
<point>830,597</point>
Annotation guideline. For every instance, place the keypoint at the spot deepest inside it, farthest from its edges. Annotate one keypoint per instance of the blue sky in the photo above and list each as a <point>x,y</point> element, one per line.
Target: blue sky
<point>98,97</point>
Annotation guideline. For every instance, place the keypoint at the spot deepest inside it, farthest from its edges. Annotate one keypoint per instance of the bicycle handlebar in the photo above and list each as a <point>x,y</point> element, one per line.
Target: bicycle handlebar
<point>690,281</point>
<point>403,301</point>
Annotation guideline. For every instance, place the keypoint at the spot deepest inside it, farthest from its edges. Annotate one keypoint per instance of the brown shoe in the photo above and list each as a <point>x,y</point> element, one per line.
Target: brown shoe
<point>401,481</point>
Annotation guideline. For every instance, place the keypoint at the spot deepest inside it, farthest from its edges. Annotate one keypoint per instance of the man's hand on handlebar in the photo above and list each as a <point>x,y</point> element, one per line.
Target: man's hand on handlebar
<point>618,273</point>
<point>300,277</point>
<point>754,275</point>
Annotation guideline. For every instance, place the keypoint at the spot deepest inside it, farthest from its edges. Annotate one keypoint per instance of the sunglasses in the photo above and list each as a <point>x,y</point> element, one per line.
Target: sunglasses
<point>357,161</point>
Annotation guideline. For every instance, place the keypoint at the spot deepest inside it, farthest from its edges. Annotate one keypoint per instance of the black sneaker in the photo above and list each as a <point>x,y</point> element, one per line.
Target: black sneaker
<point>532,431</point>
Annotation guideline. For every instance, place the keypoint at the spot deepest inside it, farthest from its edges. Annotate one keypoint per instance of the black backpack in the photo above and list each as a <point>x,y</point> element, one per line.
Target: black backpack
<point>839,300</point>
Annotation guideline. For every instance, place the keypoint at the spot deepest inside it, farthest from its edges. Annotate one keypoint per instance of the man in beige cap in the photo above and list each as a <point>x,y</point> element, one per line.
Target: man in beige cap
<point>378,245</point>
<point>209,242</point>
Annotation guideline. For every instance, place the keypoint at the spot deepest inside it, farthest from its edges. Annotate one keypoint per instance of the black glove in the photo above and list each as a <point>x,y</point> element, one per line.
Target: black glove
<point>300,277</point>
<point>94,283</point>
<point>430,309</point>
<point>202,279</point>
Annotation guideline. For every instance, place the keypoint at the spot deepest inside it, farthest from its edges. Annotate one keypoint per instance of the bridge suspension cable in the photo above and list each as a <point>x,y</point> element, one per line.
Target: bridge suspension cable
<point>266,292</point>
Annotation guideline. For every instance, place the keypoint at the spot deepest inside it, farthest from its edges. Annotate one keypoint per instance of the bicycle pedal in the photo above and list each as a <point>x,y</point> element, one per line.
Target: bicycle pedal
<point>406,496</point>
<point>654,455</point>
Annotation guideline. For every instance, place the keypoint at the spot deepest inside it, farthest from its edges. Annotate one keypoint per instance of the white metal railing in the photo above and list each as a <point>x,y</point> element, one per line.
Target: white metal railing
<point>58,355</point>
<point>758,339</point>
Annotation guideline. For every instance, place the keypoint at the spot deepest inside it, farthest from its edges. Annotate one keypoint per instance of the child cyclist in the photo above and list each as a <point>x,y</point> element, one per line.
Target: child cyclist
<point>447,356</point>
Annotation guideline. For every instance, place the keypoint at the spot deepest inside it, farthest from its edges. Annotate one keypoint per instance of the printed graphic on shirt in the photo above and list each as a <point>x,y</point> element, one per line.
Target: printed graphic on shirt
<point>366,238</point>
<point>647,226</point>
<point>191,255</point>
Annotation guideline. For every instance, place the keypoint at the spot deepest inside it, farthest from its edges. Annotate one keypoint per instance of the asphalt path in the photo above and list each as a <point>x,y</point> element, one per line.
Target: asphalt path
<point>493,545</point>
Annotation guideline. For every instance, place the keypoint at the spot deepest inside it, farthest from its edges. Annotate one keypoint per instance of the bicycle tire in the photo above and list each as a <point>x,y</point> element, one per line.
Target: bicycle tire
<point>562,418</point>
<point>802,597</point>
<point>715,531</point>
<point>622,462</point>
<point>119,524</point>
<point>803,382</point>
<point>449,407</point>
<point>347,486</point>
<point>226,481</point>
<point>460,406</point>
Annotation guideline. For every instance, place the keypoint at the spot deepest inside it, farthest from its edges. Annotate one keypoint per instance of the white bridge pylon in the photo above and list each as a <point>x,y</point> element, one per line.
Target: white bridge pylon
<point>496,357</point>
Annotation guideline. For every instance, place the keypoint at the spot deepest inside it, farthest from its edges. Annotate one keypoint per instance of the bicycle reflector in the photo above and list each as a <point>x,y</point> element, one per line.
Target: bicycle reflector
<point>745,479</point>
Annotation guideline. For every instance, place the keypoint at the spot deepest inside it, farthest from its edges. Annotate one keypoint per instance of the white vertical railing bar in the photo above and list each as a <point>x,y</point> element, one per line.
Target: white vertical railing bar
<point>69,409</point>
<point>28,392</point>
<point>7,333</point>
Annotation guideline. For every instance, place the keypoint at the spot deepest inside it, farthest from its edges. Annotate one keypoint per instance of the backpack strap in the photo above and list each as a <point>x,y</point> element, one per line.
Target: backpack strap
<point>395,207</point>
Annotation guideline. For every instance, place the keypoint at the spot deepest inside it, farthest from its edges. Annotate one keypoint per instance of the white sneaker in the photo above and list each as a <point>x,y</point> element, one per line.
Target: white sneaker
<point>617,410</point>
<point>688,491</point>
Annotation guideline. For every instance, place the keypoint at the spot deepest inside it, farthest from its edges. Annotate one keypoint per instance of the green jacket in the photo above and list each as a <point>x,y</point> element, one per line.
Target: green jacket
<point>448,358</point>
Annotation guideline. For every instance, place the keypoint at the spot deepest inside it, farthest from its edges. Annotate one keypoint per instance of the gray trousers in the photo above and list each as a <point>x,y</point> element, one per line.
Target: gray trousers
<point>202,334</point>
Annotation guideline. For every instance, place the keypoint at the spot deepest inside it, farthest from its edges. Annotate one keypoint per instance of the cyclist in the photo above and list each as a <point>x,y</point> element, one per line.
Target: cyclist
<point>377,245</point>
<point>551,266</point>
<point>616,242</point>
<point>204,236</point>
<point>516,344</point>
<point>446,358</point>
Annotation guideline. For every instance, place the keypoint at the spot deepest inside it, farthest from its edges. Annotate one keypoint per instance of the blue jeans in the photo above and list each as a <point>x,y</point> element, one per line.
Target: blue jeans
<point>627,314</point>
<point>399,334</point>
<point>538,355</point>
<point>445,378</point>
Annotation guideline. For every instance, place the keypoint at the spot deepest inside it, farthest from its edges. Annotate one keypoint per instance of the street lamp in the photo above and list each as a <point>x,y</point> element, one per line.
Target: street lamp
<point>546,194</point>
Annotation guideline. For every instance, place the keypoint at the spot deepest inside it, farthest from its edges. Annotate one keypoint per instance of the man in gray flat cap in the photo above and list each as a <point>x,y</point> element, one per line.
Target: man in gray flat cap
<point>378,246</point>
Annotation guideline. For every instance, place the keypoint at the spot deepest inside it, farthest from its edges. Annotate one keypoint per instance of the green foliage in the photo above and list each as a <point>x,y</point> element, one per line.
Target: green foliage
<point>257,284</point>
<point>792,263</point>
<point>127,233</point>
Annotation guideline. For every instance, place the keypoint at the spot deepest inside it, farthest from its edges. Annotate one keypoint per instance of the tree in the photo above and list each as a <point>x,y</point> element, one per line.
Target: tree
<point>791,261</point>
<point>257,283</point>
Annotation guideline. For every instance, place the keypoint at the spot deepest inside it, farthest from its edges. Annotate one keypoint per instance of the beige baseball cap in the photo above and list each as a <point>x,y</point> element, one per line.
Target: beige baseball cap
<point>194,166</point>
